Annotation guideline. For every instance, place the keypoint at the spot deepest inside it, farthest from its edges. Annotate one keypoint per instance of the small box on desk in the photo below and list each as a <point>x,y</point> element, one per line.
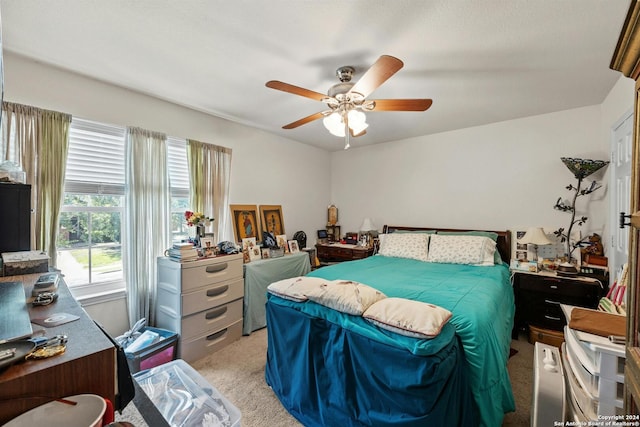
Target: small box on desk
<point>25,262</point>
<point>158,353</point>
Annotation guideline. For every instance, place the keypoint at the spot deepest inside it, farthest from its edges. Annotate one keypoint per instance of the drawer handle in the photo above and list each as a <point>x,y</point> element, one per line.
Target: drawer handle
<point>551,317</point>
<point>216,268</point>
<point>548,301</point>
<point>217,291</point>
<point>215,313</point>
<point>217,335</point>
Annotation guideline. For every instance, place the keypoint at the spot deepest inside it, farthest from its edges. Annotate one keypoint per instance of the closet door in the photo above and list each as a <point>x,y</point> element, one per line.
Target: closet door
<point>15,217</point>
<point>626,59</point>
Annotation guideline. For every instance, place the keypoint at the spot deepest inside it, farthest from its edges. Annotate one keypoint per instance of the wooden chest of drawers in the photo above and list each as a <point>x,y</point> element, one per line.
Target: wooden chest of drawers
<point>202,301</point>
<point>340,252</point>
<point>538,298</point>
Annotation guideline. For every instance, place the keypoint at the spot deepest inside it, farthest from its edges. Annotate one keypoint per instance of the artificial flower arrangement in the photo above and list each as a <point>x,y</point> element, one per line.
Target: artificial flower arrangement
<point>197,218</point>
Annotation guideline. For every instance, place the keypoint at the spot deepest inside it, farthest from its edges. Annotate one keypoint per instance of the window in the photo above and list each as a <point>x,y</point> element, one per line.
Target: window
<point>89,240</point>
<point>90,236</point>
<point>179,182</point>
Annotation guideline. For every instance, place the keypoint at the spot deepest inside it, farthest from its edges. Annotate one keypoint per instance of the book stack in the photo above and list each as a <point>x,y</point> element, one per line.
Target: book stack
<point>183,251</point>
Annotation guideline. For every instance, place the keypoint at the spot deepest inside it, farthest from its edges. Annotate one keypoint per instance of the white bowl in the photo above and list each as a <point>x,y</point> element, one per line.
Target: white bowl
<point>88,412</point>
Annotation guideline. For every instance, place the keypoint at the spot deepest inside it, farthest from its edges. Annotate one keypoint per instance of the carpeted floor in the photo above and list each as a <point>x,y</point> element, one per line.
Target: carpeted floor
<point>237,372</point>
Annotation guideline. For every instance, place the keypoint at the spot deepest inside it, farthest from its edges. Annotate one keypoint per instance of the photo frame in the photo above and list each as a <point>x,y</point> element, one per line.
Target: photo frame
<point>281,240</point>
<point>207,245</point>
<point>266,253</point>
<point>246,222</point>
<point>271,219</point>
<point>293,246</point>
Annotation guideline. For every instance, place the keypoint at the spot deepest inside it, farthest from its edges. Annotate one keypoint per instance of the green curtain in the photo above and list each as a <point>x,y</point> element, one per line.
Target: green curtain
<point>38,140</point>
<point>209,176</point>
<point>53,133</point>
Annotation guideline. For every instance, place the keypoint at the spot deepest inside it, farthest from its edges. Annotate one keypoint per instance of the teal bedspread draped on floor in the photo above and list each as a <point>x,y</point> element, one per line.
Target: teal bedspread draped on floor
<point>327,371</point>
<point>482,302</point>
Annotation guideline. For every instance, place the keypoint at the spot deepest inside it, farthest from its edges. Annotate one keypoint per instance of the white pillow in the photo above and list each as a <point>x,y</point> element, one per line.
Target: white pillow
<point>407,317</point>
<point>295,288</point>
<point>405,245</point>
<point>457,249</point>
<point>345,296</point>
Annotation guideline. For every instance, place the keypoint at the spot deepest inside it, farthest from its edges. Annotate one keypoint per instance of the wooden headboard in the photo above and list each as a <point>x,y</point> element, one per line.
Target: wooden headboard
<point>503,243</point>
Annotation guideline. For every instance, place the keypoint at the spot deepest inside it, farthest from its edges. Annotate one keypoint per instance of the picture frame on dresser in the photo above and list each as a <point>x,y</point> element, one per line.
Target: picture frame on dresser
<point>246,222</point>
<point>271,219</point>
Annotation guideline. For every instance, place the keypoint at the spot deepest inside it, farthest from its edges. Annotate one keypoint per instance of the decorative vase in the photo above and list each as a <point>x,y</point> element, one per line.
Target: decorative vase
<point>199,234</point>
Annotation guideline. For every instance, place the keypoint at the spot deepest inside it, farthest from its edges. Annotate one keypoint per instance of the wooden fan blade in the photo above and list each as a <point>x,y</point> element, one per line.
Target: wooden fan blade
<point>360,134</point>
<point>303,121</point>
<point>402,104</point>
<point>385,67</point>
<point>296,90</point>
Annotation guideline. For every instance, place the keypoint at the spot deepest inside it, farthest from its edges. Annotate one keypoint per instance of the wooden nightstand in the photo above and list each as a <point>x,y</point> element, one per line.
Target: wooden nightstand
<point>538,297</point>
<point>339,252</point>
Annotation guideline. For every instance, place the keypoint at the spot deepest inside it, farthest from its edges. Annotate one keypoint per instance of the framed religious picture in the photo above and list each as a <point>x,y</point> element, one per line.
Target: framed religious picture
<point>271,219</point>
<point>245,222</point>
<point>332,215</point>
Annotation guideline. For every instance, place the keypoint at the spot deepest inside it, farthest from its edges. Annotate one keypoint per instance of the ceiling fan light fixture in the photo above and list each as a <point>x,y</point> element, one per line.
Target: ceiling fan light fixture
<point>333,123</point>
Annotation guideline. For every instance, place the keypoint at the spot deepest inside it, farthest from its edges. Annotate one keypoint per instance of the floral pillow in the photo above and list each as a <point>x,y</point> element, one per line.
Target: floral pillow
<point>459,249</point>
<point>295,288</point>
<point>405,245</point>
<point>345,296</point>
<point>407,317</point>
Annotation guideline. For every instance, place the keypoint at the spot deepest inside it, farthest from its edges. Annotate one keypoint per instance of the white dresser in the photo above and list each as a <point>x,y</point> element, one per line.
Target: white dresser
<point>202,301</point>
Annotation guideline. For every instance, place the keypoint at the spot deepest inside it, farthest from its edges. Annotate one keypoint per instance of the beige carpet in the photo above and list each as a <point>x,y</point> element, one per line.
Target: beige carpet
<point>237,372</point>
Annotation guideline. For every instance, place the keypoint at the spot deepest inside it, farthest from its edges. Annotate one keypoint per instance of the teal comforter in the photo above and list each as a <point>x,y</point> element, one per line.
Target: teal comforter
<point>481,300</point>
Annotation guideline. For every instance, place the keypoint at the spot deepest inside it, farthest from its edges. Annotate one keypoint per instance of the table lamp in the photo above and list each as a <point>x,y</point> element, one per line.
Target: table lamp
<point>535,236</point>
<point>367,229</point>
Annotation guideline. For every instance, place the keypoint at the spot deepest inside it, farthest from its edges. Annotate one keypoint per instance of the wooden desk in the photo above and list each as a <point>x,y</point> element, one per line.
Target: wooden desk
<point>87,366</point>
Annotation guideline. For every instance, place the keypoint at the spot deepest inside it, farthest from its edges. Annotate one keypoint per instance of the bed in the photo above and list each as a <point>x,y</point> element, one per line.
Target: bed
<point>328,367</point>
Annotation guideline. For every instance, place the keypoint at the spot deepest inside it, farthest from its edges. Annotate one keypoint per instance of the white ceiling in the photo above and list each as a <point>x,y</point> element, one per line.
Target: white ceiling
<point>480,61</point>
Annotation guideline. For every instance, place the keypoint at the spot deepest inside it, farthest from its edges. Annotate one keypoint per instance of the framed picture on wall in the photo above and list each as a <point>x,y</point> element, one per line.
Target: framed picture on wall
<point>245,222</point>
<point>271,219</point>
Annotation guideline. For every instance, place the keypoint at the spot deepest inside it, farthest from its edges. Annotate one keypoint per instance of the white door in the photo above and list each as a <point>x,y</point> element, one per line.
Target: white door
<point>620,168</point>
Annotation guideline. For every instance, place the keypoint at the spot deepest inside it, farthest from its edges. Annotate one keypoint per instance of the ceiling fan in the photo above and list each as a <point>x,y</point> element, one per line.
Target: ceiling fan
<point>347,101</point>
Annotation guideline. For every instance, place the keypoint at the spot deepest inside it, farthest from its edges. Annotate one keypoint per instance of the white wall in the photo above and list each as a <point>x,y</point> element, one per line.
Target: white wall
<point>500,176</point>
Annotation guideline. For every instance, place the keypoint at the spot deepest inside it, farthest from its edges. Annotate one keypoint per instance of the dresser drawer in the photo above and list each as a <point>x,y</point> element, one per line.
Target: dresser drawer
<point>212,319</point>
<point>201,346</point>
<point>556,286</point>
<point>209,272</point>
<point>212,296</point>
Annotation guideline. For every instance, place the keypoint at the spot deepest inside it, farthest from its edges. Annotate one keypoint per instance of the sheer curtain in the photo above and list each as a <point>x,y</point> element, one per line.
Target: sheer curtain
<point>146,218</point>
<point>209,175</point>
<point>38,140</point>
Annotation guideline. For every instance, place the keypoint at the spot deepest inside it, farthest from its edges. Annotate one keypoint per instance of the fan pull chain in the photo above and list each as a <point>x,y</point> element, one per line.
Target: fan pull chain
<point>345,119</point>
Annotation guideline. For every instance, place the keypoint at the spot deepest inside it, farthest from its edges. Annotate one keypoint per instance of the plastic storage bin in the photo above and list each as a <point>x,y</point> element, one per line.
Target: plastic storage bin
<point>185,398</point>
<point>156,354</point>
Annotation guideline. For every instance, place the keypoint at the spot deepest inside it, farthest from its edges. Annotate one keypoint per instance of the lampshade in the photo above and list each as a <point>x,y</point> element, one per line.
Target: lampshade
<point>535,236</point>
<point>582,168</point>
<point>356,120</point>
<point>367,225</point>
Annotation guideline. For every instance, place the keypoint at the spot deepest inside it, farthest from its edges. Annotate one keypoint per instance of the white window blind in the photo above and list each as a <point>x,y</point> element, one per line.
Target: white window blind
<point>178,169</point>
<point>95,164</point>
